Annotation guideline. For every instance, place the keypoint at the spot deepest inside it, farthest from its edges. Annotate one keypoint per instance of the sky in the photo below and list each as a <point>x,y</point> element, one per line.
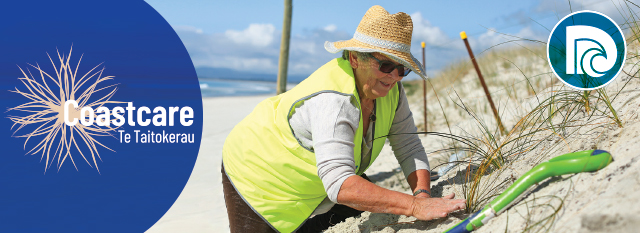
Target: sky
<point>244,35</point>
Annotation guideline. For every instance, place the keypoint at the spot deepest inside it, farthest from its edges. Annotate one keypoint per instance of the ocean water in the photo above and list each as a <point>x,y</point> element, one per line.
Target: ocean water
<point>217,88</point>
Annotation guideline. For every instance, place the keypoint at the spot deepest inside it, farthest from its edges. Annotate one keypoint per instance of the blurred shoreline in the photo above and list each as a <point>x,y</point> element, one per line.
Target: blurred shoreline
<point>227,87</point>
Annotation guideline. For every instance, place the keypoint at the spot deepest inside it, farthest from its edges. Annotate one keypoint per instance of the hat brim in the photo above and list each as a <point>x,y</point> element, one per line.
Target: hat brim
<point>406,59</point>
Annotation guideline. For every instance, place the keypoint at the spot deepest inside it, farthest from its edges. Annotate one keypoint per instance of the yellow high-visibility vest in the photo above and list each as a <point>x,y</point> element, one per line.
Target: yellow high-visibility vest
<point>267,165</point>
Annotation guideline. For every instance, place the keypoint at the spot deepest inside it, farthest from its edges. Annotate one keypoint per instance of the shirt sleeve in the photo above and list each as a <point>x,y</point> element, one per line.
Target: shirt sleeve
<point>406,146</point>
<point>327,123</point>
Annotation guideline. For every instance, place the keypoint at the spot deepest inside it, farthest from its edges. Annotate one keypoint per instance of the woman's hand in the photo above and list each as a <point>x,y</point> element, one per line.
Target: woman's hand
<point>431,208</point>
<point>360,194</point>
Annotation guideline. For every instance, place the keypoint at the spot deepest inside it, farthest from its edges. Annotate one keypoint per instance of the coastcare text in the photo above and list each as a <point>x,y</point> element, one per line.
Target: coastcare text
<point>162,117</point>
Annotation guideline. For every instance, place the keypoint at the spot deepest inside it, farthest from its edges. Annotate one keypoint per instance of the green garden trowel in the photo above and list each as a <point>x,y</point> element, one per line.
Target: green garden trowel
<point>576,162</point>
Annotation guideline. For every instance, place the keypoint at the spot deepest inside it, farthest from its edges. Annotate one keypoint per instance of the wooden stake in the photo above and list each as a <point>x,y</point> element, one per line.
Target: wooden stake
<point>424,87</point>
<point>283,63</point>
<point>463,35</point>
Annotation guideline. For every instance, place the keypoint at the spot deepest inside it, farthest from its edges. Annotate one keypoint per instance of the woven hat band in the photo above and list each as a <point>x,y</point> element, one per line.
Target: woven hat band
<point>400,47</point>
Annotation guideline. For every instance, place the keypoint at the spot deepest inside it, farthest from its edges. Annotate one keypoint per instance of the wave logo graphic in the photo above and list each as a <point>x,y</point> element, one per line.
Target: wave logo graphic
<point>586,50</point>
<point>42,120</point>
<point>589,50</point>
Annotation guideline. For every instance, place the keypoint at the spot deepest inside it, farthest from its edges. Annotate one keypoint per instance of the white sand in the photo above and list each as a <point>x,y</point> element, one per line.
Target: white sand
<point>603,201</point>
<point>200,207</point>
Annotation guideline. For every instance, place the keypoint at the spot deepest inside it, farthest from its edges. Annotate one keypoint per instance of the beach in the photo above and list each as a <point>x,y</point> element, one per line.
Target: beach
<point>200,207</point>
<point>593,202</point>
<point>601,201</point>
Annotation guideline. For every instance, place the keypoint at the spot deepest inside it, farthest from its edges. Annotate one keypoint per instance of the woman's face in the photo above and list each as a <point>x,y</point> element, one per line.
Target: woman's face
<point>371,82</point>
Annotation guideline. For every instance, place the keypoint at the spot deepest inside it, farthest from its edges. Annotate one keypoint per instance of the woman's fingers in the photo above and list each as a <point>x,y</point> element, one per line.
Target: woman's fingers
<point>431,208</point>
<point>450,196</point>
<point>458,205</point>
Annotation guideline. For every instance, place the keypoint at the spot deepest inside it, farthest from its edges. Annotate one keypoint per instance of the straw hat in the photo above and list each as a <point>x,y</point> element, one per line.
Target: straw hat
<point>382,32</point>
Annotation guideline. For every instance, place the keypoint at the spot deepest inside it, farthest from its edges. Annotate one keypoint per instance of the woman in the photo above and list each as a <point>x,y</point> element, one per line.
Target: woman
<point>297,154</point>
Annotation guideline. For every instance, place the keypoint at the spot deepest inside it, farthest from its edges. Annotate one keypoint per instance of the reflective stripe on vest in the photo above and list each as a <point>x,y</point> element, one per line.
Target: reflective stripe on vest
<point>267,165</point>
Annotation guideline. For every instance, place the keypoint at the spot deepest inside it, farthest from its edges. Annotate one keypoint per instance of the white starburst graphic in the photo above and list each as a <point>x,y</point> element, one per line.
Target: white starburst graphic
<point>43,116</point>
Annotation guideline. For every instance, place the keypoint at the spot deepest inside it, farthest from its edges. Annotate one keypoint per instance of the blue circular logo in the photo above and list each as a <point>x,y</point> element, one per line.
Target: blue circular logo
<point>586,50</point>
<point>102,116</point>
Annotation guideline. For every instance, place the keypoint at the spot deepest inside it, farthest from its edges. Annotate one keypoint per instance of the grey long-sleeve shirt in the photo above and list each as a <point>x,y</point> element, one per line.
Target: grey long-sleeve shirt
<point>327,123</point>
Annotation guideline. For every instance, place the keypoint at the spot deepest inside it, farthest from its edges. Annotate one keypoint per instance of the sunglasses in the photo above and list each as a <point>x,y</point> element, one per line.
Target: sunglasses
<point>388,67</point>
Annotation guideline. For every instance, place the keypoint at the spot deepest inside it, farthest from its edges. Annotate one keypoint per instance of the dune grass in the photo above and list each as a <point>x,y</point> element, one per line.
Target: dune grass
<point>541,114</point>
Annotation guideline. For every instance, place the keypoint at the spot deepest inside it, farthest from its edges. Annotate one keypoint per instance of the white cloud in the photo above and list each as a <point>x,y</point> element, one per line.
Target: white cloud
<point>614,8</point>
<point>187,28</point>
<point>492,38</point>
<point>330,28</point>
<point>259,35</point>
<point>255,49</point>
<point>303,45</point>
<point>424,31</point>
<point>489,38</point>
<point>245,64</point>
<point>301,66</point>
<point>529,33</point>
<point>248,50</point>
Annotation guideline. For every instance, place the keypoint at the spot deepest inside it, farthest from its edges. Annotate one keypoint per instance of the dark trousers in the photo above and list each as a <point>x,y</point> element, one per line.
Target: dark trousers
<point>243,219</point>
